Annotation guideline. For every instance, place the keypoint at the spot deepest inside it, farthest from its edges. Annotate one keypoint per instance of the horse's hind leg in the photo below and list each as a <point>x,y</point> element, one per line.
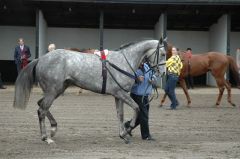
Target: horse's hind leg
<point>163,100</point>
<point>51,120</point>
<point>228,86</point>
<point>220,83</point>
<point>53,123</point>
<point>43,111</point>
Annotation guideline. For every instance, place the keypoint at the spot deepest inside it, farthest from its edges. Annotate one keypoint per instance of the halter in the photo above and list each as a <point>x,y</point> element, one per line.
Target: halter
<point>105,69</point>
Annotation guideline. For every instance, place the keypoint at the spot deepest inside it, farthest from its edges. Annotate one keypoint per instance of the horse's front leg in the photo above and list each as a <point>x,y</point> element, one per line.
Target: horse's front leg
<point>185,90</point>
<point>121,95</point>
<point>120,116</point>
<point>53,123</point>
<point>43,111</point>
<point>221,90</point>
<point>163,100</point>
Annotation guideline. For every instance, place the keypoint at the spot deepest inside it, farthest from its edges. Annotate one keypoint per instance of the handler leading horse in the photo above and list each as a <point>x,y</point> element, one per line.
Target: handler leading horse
<point>215,62</point>
<point>60,68</point>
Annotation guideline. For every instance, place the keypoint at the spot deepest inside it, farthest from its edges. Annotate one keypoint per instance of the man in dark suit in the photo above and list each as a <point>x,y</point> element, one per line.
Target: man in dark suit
<point>21,55</point>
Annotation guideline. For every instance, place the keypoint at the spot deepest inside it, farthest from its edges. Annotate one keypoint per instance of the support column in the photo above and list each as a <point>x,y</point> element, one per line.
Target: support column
<point>37,34</point>
<point>219,41</point>
<point>41,34</point>
<point>101,29</point>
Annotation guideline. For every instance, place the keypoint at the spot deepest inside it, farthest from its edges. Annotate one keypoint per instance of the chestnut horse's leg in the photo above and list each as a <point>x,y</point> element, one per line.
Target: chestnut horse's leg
<point>221,90</point>
<point>163,100</point>
<point>184,87</point>
<point>228,86</point>
<point>220,84</point>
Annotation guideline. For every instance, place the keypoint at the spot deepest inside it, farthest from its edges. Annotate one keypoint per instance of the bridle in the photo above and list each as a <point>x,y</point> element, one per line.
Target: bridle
<point>132,76</point>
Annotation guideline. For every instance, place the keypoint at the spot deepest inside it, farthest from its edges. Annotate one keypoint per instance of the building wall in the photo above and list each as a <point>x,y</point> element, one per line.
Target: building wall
<point>9,37</point>
<point>197,40</point>
<point>89,38</point>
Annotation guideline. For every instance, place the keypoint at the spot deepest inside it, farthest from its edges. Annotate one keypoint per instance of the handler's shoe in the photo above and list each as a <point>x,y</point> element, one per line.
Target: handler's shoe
<point>149,138</point>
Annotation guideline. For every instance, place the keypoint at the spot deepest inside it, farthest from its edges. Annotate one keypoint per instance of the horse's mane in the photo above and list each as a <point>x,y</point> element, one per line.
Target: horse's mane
<point>81,50</point>
<point>123,46</point>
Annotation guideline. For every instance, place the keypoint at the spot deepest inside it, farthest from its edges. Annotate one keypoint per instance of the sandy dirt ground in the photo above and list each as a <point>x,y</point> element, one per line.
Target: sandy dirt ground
<point>88,128</point>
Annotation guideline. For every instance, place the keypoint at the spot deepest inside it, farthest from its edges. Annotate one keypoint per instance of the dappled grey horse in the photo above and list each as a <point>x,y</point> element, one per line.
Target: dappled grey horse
<point>61,68</point>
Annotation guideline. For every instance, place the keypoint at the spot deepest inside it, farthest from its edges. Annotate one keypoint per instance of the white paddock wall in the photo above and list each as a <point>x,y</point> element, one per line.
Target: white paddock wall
<point>9,39</point>
<point>113,38</point>
<point>89,38</point>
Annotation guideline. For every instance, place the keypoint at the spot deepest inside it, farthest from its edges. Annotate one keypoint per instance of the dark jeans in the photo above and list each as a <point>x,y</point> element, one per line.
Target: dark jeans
<point>143,115</point>
<point>170,89</point>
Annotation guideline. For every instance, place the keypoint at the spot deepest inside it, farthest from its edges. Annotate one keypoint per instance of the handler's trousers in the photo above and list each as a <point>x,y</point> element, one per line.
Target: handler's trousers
<point>143,115</point>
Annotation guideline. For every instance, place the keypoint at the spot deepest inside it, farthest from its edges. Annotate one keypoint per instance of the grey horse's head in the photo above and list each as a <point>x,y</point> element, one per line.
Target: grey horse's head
<point>156,59</point>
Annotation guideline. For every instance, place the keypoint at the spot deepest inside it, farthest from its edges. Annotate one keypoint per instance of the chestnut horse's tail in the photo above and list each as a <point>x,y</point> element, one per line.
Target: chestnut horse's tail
<point>23,85</point>
<point>234,69</point>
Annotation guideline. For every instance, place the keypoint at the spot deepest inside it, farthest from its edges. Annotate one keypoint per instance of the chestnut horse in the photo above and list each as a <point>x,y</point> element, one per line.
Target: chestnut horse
<point>215,62</point>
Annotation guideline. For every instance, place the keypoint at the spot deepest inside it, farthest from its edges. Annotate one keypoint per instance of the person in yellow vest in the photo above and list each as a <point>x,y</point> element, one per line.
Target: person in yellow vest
<point>174,66</point>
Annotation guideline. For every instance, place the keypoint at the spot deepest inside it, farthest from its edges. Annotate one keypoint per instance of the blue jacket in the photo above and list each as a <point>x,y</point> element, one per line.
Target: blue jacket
<point>143,88</point>
<point>17,53</point>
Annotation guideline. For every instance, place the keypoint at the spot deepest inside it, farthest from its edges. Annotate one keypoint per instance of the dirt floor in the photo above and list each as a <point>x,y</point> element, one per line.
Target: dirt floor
<point>88,128</point>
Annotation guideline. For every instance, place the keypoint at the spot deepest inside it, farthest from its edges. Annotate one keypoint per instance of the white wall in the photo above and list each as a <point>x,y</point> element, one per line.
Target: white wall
<point>89,38</point>
<point>73,37</point>
<point>197,40</point>
<point>9,36</point>
<point>114,38</point>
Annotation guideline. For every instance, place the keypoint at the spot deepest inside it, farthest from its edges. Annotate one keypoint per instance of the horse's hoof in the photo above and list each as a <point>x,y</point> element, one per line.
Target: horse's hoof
<point>49,141</point>
<point>53,131</point>
<point>234,105</point>
<point>160,106</point>
<point>126,141</point>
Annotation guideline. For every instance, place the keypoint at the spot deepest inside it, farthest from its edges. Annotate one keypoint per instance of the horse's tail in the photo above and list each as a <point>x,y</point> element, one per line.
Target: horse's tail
<point>234,69</point>
<point>23,85</point>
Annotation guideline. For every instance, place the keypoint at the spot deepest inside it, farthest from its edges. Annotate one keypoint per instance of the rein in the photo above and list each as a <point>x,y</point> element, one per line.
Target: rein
<point>105,69</point>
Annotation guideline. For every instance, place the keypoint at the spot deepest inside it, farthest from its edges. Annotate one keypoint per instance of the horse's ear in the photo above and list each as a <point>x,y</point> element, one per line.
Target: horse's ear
<point>165,39</point>
<point>161,40</point>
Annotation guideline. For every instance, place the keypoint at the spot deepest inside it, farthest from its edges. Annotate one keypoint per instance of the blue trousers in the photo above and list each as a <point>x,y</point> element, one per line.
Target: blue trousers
<point>170,89</point>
